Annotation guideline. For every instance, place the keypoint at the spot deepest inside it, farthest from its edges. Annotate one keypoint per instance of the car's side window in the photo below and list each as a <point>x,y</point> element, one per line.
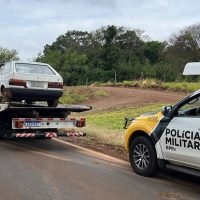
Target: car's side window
<point>191,108</point>
<point>6,69</point>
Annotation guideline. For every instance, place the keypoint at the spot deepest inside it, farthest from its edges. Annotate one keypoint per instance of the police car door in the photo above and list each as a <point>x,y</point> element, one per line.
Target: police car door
<point>180,140</point>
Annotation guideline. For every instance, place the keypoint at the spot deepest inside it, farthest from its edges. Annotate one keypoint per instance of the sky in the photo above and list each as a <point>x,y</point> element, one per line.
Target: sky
<point>28,25</point>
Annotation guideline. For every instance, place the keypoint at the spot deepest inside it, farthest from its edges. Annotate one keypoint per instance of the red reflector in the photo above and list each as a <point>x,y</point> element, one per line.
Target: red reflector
<point>19,124</point>
<point>17,82</point>
<point>55,85</point>
<point>80,123</point>
<point>50,119</point>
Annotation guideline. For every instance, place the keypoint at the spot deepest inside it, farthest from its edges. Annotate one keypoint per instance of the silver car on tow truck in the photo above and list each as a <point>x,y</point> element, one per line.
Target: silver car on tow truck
<point>30,81</point>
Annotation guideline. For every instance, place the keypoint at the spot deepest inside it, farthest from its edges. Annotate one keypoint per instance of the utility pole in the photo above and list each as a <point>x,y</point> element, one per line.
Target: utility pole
<point>115,77</point>
<point>86,82</point>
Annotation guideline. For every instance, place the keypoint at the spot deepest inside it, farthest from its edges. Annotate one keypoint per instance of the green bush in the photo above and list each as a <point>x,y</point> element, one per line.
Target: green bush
<point>156,84</point>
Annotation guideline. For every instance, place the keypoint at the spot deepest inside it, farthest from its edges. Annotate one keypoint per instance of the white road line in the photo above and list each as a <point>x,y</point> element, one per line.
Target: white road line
<point>95,153</point>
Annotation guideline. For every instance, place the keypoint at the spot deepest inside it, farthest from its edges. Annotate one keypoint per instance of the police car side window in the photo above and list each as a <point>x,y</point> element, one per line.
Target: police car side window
<point>192,108</point>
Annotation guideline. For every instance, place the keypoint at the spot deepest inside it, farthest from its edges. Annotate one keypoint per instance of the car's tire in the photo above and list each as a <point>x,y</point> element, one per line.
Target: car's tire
<point>142,155</point>
<point>53,103</point>
<point>4,94</point>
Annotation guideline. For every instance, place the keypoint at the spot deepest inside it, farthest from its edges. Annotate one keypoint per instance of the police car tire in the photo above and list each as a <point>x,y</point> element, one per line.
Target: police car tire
<point>152,167</point>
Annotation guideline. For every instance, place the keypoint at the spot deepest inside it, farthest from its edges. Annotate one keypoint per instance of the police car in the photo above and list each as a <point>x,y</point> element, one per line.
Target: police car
<point>168,139</point>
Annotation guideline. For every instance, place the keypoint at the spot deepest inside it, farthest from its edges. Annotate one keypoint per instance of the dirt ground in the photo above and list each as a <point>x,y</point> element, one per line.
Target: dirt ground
<point>100,146</point>
<point>120,97</point>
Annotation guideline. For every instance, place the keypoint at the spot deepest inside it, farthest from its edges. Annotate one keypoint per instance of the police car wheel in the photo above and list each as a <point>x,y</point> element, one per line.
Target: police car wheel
<point>143,157</point>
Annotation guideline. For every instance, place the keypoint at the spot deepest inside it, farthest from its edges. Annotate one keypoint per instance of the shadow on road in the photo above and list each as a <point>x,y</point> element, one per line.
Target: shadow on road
<point>40,144</point>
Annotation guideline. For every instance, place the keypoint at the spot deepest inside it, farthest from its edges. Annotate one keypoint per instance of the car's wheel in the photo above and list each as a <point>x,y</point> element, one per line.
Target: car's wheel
<point>4,94</point>
<point>53,103</point>
<point>143,157</point>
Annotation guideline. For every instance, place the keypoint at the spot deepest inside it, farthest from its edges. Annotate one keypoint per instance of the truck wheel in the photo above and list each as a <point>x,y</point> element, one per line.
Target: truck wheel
<point>53,103</point>
<point>143,157</point>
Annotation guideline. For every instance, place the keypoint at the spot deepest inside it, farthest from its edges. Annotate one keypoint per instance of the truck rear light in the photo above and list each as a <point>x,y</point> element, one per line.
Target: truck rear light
<point>55,85</point>
<point>17,82</point>
<point>19,124</point>
<point>80,123</point>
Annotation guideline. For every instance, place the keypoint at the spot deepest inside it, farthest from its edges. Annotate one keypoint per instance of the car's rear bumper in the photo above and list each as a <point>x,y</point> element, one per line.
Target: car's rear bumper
<point>33,94</point>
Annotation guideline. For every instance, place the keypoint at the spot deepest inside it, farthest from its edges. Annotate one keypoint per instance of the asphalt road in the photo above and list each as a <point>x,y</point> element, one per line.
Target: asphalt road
<point>48,169</point>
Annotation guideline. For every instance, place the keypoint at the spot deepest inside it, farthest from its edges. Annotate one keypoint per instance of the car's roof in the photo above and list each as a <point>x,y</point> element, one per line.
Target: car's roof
<point>195,92</point>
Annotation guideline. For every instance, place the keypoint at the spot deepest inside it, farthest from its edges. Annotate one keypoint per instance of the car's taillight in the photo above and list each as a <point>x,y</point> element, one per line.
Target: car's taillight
<point>55,85</point>
<point>17,82</point>
<point>80,123</point>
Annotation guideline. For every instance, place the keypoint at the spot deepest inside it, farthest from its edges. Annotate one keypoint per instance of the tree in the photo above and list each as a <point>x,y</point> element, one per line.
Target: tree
<point>81,56</point>
<point>154,51</point>
<point>130,43</point>
<point>73,70</point>
<point>70,64</point>
<point>53,58</point>
<point>7,55</point>
<point>184,46</point>
<point>75,40</point>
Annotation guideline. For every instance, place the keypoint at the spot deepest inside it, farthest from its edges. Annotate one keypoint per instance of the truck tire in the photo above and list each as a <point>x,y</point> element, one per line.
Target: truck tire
<point>142,155</point>
<point>53,103</point>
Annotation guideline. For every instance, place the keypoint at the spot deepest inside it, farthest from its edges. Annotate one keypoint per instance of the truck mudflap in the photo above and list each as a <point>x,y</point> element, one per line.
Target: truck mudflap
<point>44,134</point>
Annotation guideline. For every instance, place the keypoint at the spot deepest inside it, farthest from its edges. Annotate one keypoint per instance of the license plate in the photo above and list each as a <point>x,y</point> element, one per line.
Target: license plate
<point>36,84</point>
<point>32,124</point>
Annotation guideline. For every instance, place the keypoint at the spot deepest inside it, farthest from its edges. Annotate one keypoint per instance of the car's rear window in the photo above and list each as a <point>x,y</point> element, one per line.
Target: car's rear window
<point>33,69</point>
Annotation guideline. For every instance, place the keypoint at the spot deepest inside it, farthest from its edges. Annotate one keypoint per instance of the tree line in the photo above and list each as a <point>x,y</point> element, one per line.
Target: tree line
<point>115,53</point>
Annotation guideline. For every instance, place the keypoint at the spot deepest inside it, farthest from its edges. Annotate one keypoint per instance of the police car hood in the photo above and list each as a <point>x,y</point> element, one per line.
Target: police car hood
<point>147,114</point>
<point>155,116</point>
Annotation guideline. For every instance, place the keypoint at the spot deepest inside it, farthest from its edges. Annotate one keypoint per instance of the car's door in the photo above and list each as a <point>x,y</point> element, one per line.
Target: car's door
<point>6,74</point>
<point>180,141</point>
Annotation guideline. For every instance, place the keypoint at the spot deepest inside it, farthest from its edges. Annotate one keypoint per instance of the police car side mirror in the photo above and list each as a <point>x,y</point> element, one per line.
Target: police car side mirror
<point>166,111</point>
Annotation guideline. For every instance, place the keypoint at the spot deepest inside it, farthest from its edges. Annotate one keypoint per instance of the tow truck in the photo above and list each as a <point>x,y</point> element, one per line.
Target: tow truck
<point>21,120</point>
<point>23,83</point>
<point>167,139</point>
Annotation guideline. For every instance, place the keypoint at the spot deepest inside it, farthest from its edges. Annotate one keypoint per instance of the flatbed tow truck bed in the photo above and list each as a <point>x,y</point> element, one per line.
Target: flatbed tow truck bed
<point>20,120</point>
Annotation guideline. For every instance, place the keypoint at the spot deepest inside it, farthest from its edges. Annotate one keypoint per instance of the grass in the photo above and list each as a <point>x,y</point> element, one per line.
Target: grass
<point>80,94</point>
<point>156,84</point>
<point>108,126</point>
